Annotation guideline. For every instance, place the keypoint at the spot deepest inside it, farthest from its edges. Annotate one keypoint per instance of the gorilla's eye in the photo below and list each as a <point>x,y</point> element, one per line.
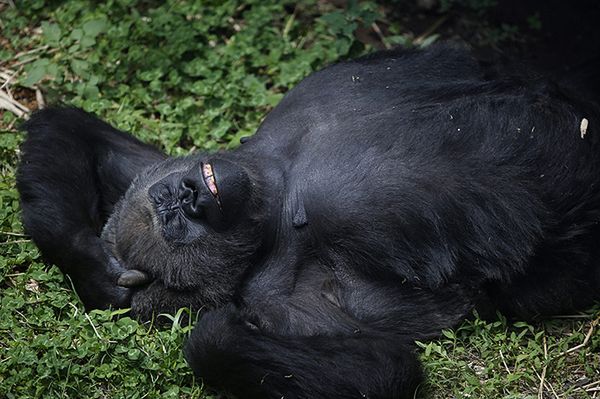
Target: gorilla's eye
<point>210,181</point>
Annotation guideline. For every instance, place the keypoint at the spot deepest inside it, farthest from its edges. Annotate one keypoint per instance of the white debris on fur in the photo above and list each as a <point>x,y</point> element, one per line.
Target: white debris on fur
<point>583,127</point>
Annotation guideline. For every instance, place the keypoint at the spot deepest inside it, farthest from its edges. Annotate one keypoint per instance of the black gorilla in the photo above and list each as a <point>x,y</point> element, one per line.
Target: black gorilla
<point>382,200</point>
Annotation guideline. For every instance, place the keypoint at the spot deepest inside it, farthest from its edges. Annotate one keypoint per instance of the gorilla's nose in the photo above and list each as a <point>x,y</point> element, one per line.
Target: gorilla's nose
<point>189,189</point>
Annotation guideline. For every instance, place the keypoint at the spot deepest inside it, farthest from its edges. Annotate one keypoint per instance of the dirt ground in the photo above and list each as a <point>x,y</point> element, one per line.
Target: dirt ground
<point>555,36</point>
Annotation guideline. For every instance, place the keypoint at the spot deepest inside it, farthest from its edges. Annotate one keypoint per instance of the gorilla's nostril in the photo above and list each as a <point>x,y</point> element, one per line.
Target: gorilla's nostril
<point>187,191</point>
<point>188,195</point>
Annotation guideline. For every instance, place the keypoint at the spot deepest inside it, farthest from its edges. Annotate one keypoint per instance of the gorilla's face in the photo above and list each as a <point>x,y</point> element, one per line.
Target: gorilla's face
<point>192,226</point>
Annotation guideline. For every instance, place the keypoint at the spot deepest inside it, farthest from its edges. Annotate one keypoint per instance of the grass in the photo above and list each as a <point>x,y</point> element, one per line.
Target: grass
<point>188,75</point>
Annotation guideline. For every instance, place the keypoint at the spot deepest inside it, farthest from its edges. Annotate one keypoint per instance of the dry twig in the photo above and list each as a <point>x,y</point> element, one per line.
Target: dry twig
<point>435,26</point>
<point>33,50</point>
<point>547,385</point>
<point>593,325</point>
<point>39,98</point>
<point>377,30</point>
<point>7,76</point>
<point>10,104</point>
<point>544,370</point>
<point>10,233</point>
<point>14,242</point>
<point>504,362</point>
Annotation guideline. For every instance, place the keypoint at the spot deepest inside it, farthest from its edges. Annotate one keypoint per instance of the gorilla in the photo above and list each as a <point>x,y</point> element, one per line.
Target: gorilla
<point>384,199</point>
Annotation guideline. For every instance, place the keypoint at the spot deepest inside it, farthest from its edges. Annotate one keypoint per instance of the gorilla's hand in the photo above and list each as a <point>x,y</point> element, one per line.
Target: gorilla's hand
<point>99,279</point>
<point>150,300</point>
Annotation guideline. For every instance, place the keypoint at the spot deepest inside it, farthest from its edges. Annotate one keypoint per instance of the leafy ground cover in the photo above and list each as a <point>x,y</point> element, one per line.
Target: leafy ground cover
<point>188,75</point>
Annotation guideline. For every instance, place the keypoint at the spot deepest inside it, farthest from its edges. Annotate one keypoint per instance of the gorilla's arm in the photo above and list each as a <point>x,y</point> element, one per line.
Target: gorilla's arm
<point>74,168</point>
<point>230,354</point>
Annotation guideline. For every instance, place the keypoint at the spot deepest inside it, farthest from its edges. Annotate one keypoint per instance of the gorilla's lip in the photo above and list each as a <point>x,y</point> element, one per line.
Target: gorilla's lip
<point>208,176</point>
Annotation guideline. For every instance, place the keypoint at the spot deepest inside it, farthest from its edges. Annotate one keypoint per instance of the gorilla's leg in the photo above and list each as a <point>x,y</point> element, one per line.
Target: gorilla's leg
<point>230,354</point>
<point>74,168</point>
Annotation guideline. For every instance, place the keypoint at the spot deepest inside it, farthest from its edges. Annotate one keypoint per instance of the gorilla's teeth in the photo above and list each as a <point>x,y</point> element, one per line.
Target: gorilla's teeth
<point>209,178</point>
<point>211,182</point>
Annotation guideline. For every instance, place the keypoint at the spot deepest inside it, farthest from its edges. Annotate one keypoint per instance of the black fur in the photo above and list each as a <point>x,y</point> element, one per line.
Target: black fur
<point>382,200</point>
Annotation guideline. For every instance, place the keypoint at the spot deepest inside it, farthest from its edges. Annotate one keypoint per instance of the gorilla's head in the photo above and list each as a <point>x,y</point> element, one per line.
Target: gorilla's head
<point>191,226</point>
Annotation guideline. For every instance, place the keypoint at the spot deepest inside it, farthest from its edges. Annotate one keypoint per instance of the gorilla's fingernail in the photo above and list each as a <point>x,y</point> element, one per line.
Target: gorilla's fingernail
<point>133,278</point>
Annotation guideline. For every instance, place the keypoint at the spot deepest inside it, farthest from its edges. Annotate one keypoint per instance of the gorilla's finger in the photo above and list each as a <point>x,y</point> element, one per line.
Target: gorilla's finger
<point>120,297</point>
<point>133,278</point>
